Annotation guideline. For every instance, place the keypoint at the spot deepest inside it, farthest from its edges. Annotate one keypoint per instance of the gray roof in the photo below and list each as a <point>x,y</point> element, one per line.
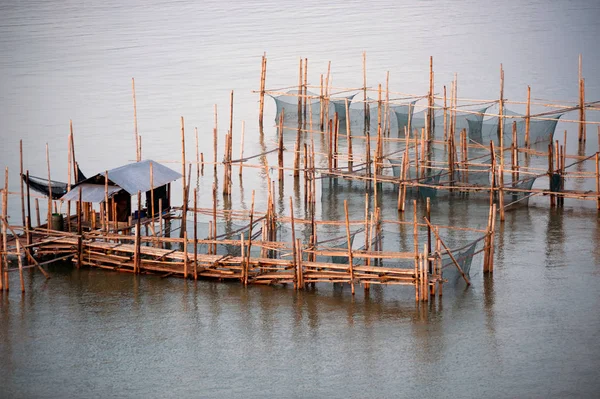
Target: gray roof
<point>136,176</point>
<point>132,178</point>
<point>89,192</point>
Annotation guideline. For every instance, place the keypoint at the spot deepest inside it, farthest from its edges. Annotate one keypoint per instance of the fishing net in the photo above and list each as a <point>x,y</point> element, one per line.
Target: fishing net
<point>464,257</point>
<point>540,131</point>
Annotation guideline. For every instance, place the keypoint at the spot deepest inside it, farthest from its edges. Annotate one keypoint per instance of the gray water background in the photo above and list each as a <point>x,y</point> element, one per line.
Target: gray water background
<point>531,330</point>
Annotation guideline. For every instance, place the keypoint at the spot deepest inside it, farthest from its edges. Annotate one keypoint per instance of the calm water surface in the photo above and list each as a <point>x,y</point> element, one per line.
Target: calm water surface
<point>530,331</point>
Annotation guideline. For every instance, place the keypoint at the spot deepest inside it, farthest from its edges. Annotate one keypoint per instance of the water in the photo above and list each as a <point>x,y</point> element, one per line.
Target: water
<point>530,331</point>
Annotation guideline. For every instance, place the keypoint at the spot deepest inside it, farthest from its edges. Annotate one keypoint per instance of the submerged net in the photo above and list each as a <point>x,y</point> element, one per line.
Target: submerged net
<point>540,131</point>
<point>519,197</point>
<point>463,257</point>
<point>288,104</point>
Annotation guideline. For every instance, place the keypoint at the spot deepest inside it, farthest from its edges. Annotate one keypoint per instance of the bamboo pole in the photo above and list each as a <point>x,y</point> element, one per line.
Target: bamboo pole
<point>4,265</point>
<point>49,189</point>
<point>21,181</point>
<point>215,143</point>
<point>247,261</point>
<point>581,102</point>
<point>280,146</point>
<point>528,118</point>
<point>185,255</point>
<point>263,75</point>
<point>28,202</point>
<point>183,181</point>
<point>79,231</point>
<point>300,92</point>
<point>137,254</point>
<point>348,136</point>
<point>37,213</point>
<point>597,183</point>
<point>350,265</point>
<point>501,192</point>
<point>416,250</point>
<point>294,260</point>
<point>135,124</point>
<point>195,234</point>
<point>501,118</point>
<point>105,219</point>
<point>365,105</point>
<point>20,261</point>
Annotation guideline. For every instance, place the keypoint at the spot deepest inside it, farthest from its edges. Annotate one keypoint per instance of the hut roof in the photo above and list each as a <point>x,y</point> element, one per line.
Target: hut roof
<point>132,178</point>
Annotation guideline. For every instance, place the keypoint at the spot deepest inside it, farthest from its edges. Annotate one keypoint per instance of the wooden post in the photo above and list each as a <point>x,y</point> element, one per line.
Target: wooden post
<point>263,75</point>
<point>305,89</point>
<point>501,118</point>
<point>350,265</point>
<point>37,213</point>
<point>185,255</point>
<point>366,108</point>
<point>197,154</point>
<point>21,181</point>
<point>280,146</point>
<point>242,147</point>
<point>79,231</point>
<point>195,234</point>
<point>416,249</point>
<point>135,124</point>
<point>4,265</point>
<point>106,219</point>
<point>294,261</point>
<point>137,260</point>
<point>581,102</point>
<point>528,118</point>
<point>597,183</point>
<point>247,260</point>
<point>183,181</point>
<point>501,192</point>
<point>49,189</point>
<point>20,261</point>
<point>550,173</point>
<point>492,239</point>
<point>300,92</point>
<point>215,143</point>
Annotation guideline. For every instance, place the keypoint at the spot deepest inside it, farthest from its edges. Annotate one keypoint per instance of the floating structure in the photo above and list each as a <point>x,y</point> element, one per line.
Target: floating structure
<point>361,154</point>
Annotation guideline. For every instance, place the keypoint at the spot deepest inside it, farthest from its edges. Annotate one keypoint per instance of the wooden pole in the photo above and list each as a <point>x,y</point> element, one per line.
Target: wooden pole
<point>79,231</point>
<point>263,75</point>
<point>106,220</point>
<point>528,118</point>
<point>49,189</point>
<point>183,181</point>
<point>305,89</point>
<point>416,249</point>
<point>366,109</point>
<point>137,259</point>
<point>4,266</point>
<point>350,262</point>
<point>135,124</point>
<point>280,146</point>
<point>215,143</point>
<point>294,261</point>
<point>21,181</point>
<point>185,254</point>
<point>581,102</point>
<point>501,118</point>
<point>597,183</point>
<point>247,260</point>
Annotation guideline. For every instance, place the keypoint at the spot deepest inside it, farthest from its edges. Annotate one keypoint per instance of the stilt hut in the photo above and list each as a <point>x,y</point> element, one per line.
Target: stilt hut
<point>118,185</point>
